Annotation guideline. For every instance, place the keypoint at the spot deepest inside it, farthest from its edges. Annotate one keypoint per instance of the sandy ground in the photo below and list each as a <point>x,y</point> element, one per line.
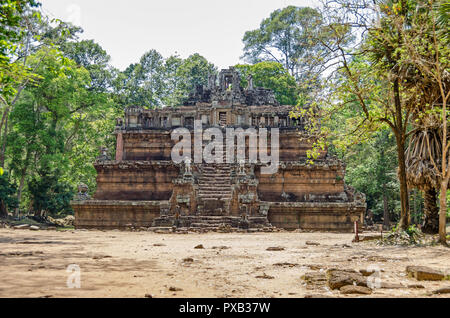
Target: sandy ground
<point>133,264</point>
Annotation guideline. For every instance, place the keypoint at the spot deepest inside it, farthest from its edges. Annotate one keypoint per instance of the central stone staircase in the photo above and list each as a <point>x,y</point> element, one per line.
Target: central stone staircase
<point>214,189</point>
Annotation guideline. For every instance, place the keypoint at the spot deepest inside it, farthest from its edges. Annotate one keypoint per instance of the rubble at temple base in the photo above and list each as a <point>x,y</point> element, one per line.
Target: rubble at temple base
<point>144,188</point>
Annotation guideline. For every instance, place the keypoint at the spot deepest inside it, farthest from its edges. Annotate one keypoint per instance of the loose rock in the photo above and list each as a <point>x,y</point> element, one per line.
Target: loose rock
<point>22,226</point>
<point>444,290</point>
<point>351,289</point>
<point>424,273</point>
<point>339,278</point>
<point>265,276</point>
<point>175,289</point>
<point>366,272</point>
<point>285,264</point>
<point>417,286</point>
<point>275,248</point>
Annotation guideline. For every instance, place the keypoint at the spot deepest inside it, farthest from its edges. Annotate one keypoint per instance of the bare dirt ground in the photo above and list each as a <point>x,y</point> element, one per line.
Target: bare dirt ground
<point>133,264</point>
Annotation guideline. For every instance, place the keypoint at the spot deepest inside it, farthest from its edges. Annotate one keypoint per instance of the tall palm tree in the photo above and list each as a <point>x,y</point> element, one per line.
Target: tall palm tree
<point>424,143</point>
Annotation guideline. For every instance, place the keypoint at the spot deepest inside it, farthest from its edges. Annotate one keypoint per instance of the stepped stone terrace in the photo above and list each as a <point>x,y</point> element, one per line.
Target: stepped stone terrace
<point>144,187</point>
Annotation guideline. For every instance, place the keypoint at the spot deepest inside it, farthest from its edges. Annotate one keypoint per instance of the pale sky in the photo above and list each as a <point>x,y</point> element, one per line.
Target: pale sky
<point>127,29</point>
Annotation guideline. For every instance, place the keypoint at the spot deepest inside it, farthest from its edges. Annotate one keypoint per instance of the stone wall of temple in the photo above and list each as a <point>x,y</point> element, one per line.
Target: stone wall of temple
<point>138,180</point>
<point>300,182</point>
<point>114,214</point>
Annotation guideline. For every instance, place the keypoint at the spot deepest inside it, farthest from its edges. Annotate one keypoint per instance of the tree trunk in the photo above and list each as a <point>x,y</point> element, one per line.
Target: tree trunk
<point>19,192</point>
<point>431,212</point>
<point>5,139</point>
<point>386,219</point>
<point>405,218</point>
<point>443,213</point>
<point>3,209</point>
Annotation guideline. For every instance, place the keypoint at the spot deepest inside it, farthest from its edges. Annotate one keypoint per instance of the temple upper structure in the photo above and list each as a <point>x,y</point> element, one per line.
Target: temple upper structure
<point>144,187</point>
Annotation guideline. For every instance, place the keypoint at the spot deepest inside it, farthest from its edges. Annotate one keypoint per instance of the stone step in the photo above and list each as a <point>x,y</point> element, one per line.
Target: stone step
<point>212,175</point>
<point>204,225</point>
<point>210,198</point>
<point>215,193</point>
<point>213,189</point>
<point>219,183</point>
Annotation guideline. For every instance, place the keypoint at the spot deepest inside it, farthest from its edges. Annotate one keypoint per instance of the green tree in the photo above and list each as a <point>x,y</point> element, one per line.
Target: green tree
<point>274,76</point>
<point>93,58</point>
<point>7,195</point>
<point>11,33</point>
<point>142,83</point>
<point>193,72</point>
<point>173,92</point>
<point>288,37</point>
<point>49,119</point>
<point>371,169</point>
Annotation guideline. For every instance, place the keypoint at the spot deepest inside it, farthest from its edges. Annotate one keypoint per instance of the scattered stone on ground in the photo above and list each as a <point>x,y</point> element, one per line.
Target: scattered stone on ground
<point>314,279</point>
<point>387,285</point>
<point>220,247</point>
<point>285,264</point>
<point>316,267</point>
<point>338,278</point>
<point>139,268</point>
<point>311,243</point>
<point>159,244</point>
<point>199,247</point>
<point>369,272</point>
<point>444,290</point>
<point>416,286</point>
<point>318,296</point>
<point>275,248</point>
<point>34,228</point>
<point>64,222</point>
<point>188,260</point>
<point>424,273</point>
<point>352,289</point>
<point>265,276</point>
<point>148,296</point>
<point>175,289</point>
<point>21,226</point>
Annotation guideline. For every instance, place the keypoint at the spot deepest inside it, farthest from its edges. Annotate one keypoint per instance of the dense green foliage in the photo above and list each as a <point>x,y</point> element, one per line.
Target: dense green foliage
<point>274,76</point>
<point>286,37</point>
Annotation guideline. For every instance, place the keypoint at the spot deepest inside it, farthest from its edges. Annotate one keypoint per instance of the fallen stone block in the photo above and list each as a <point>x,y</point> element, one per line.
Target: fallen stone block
<point>22,226</point>
<point>424,273</point>
<point>352,289</point>
<point>370,272</point>
<point>416,286</point>
<point>314,280</point>
<point>275,248</point>
<point>318,296</point>
<point>265,276</point>
<point>387,285</point>
<point>339,278</point>
<point>444,290</point>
